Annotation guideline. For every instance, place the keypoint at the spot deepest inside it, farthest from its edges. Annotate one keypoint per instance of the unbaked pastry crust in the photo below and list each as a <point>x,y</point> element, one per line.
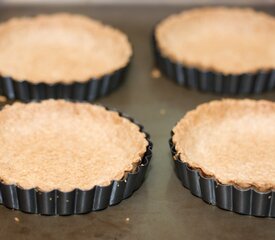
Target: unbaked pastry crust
<point>225,40</point>
<point>62,145</point>
<point>230,140</point>
<point>60,48</point>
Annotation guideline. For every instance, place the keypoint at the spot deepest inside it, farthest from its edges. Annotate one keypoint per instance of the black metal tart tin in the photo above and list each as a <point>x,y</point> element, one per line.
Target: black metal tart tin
<point>229,197</point>
<point>82,91</point>
<point>77,201</point>
<point>210,81</point>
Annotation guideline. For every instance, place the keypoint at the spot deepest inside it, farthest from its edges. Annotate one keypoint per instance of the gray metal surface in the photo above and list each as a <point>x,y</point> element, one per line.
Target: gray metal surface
<point>161,208</point>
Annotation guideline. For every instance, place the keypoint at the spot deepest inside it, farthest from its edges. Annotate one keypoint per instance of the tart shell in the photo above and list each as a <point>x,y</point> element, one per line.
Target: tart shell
<point>76,82</point>
<point>235,194</point>
<point>77,201</point>
<point>209,77</point>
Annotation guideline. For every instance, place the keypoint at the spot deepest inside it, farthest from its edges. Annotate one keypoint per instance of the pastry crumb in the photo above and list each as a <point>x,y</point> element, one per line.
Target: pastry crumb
<point>155,73</point>
<point>3,99</point>
<point>162,111</point>
<point>16,219</point>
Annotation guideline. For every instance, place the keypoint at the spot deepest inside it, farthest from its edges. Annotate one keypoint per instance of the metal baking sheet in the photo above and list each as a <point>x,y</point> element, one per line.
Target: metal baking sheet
<point>162,208</point>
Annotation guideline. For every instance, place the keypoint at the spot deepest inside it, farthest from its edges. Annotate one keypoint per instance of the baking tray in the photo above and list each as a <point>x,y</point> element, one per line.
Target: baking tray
<point>162,208</point>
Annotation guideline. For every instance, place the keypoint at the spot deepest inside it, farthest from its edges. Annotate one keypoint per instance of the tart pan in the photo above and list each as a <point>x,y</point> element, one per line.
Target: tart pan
<point>247,201</point>
<point>82,91</point>
<point>77,201</point>
<point>209,81</point>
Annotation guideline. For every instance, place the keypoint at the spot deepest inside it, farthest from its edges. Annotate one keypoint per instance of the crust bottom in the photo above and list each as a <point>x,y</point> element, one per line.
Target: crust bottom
<point>66,145</point>
<point>199,39</point>
<point>78,49</point>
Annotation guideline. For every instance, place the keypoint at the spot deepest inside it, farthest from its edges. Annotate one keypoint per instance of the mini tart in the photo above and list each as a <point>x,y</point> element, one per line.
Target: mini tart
<point>60,49</point>
<point>66,146</point>
<point>231,141</point>
<point>224,42</point>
